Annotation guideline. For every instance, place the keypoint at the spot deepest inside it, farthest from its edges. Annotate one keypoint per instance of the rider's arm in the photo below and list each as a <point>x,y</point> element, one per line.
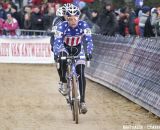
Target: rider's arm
<point>87,37</point>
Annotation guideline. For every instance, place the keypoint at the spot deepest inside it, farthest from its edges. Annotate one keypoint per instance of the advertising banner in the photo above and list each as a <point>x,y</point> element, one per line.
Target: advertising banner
<point>25,50</point>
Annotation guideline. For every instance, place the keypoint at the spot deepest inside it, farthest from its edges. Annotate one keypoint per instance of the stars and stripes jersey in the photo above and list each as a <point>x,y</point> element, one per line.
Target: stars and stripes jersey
<point>65,34</point>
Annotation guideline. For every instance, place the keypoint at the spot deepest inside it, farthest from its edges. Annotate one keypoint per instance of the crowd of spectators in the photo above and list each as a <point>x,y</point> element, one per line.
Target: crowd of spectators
<point>144,21</point>
<point>30,17</point>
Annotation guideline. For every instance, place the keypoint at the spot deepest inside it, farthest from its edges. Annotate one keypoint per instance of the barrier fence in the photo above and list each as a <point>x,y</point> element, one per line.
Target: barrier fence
<point>129,66</point>
<point>24,32</point>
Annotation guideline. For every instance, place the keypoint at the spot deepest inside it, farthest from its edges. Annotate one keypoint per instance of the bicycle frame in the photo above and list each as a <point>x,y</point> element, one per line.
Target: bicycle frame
<point>73,85</point>
<point>71,73</point>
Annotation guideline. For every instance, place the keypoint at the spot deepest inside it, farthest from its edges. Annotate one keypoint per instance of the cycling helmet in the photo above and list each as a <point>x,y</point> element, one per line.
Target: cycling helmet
<point>73,10</point>
<point>61,11</point>
<point>66,6</point>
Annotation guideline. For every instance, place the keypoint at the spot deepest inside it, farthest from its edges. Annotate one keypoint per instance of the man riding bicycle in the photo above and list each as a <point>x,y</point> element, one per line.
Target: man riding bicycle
<point>60,17</point>
<point>70,37</point>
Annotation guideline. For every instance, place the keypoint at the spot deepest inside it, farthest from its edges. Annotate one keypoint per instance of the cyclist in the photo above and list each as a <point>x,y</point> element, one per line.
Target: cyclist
<point>60,13</point>
<point>70,37</point>
<point>61,17</point>
<point>58,20</point>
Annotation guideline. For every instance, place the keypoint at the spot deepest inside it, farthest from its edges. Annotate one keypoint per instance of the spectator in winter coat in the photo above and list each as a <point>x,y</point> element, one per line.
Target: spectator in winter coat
<point>131,25</point>
<point>148,28</point>
<point>48,19</point>
<point>88,16</point>
<point>37,20</point>
<point>143,18</point>
<point>7,7</point>
<point>107,21</point>
<point>154,16</point>
<point>16,15</point>
<point>94,19</point>
<point>94,16</point>
<point>123,22</point>
<point>10,25</point>
<point>2,12</point>
<point>155,21</point>
<point>27,10</point>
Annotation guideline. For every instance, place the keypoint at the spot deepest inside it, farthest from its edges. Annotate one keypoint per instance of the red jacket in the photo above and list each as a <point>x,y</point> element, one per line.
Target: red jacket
<point>11,26</point>
<point>1,25</point>
<point>136,22</point>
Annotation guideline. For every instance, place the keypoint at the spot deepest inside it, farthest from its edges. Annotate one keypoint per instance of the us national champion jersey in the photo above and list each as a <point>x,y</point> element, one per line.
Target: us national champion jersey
<point>73,36</point>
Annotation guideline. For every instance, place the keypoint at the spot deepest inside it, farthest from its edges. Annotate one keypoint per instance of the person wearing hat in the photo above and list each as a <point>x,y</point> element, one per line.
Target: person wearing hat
<point>145,12</point>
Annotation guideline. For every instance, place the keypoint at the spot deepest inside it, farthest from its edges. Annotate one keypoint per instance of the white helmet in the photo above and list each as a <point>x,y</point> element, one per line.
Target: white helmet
<point>73,10</point>
<point>60,11</point>
<point>67,5</point>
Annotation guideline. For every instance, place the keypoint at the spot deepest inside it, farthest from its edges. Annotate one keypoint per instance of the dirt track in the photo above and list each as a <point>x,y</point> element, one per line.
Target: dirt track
<point>29,100</point>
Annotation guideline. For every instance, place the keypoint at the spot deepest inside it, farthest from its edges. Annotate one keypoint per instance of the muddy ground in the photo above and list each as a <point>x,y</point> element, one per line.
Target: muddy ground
<point>29,100</point>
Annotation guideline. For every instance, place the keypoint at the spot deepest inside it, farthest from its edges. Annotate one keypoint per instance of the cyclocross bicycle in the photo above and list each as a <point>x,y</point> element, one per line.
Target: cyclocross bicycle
<point>73,96</point>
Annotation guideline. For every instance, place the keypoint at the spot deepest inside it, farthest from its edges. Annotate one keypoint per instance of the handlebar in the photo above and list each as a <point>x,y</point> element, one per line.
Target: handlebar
<point>73,57</point>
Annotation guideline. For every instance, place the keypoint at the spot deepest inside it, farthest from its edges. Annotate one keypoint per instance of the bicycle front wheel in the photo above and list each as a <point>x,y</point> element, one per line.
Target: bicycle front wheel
<point>75,110</point>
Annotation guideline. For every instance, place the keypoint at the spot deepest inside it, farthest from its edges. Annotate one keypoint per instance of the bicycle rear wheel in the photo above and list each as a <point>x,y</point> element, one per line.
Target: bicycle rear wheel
<point>75,104</point>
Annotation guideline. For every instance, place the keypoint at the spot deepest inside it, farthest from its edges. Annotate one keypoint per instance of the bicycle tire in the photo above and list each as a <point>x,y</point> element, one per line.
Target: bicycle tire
<point>75,109</point>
